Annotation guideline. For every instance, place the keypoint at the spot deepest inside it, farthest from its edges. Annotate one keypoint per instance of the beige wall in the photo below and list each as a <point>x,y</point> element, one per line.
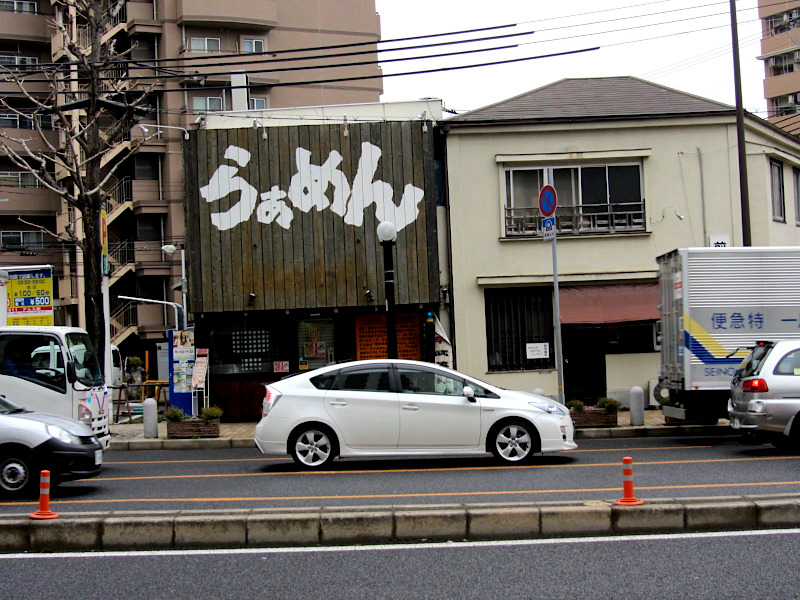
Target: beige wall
<point>623,371</point>
<point>670,152</point>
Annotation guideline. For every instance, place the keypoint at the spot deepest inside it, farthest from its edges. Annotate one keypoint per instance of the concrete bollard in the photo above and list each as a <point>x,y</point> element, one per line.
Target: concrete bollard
<point>539,391</point>
<point>637,405</point>
<point>150,417</point>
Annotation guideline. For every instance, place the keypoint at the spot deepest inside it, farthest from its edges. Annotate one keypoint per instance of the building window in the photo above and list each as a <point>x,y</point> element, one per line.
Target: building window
<point>143,48</point>
<point>516,317</point>
<point>28,239</point>
<point>796,177</point>
<point>10,60</point>
<point>207,103</point>
<point>253,46</point>
<point>204,44</point>
<point>145,167</point>
<point>591,199</point>
<point>18,179</point>
<point>18,6</point>
<point>258,103</point>
<point>776,177</point>
<point>10,120</point>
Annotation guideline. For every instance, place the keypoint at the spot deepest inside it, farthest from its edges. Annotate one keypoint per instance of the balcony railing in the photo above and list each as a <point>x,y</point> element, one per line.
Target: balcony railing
<point>579,220</point>
<point>123,317</point>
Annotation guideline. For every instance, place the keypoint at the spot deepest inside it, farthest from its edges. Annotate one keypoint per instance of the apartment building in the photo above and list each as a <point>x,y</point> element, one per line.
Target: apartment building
<point>169,43</point>
<point>780,52</point>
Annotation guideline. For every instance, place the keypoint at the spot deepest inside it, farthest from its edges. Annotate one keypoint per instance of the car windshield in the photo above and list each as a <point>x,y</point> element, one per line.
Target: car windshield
<point>752,364</point>
<point>7,407</point>
<point>87,369</point>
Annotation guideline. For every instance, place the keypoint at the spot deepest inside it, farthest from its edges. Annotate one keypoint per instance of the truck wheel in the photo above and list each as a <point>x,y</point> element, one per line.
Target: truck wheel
<point>18,475</point>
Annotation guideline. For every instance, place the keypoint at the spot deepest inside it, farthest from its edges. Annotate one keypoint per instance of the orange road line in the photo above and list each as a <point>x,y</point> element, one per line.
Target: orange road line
<point>410,495</point>
<point>440,469</point>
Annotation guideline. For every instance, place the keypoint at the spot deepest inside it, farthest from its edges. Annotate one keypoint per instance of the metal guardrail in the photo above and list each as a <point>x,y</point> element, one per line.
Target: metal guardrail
<point>578,220</point>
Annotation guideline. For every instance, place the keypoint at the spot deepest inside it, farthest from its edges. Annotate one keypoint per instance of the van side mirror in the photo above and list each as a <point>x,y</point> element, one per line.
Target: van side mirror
<point>469,393</point>
<point>72,376</point>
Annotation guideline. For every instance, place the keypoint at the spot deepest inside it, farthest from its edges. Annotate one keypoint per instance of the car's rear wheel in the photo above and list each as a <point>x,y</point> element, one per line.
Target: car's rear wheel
<point>313,446</point>
<point>18,474</point>
<point>514,441</point>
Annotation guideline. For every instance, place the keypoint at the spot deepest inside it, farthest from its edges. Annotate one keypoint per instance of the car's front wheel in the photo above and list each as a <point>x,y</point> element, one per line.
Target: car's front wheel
<point>515,442</point>
<point>17,472</point>
<point>313,446</point>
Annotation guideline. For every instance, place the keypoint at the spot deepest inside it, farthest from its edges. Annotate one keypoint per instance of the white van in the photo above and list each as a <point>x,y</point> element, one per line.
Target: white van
<point>55,370</point>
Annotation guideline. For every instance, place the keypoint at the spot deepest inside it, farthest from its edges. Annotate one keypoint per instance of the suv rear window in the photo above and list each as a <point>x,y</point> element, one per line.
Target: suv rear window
<point>752,364</point>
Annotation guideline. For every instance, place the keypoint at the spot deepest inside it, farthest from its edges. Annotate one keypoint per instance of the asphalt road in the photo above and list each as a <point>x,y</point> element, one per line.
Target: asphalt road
<point>243,478</point>
<point>730,566</point>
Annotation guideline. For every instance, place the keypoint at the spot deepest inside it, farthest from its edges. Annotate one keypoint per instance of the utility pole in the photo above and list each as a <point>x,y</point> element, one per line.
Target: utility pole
<point>737,83</point>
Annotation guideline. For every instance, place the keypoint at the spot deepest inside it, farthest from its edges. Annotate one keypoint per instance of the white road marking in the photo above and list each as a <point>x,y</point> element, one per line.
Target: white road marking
<point>410,546</point>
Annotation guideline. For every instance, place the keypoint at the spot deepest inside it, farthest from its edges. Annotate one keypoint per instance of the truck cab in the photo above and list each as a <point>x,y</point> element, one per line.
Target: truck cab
<point>55,370</point>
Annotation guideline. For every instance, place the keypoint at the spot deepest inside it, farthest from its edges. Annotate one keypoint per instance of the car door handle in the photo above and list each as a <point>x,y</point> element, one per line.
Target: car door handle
<point>338,403</point>
<point>410,407</point>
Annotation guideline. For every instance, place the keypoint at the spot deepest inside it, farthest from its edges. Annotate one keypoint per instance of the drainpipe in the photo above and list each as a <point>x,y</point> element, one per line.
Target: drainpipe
<point>702,196</point>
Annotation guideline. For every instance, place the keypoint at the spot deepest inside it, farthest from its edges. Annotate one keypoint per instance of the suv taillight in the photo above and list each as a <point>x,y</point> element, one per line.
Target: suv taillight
<point>755,386</point>
<point>271,398</point>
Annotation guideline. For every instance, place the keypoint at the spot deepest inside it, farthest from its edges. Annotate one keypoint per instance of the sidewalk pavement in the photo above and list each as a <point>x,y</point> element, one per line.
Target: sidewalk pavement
<point>320,526</point>
<point>240,435</point>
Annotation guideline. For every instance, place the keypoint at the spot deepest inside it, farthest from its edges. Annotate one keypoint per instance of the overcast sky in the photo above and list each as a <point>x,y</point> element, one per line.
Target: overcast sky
<point>636,37</point>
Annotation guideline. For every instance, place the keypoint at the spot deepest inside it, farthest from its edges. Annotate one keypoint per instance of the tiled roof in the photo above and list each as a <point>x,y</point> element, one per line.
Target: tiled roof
<point>594,98</point>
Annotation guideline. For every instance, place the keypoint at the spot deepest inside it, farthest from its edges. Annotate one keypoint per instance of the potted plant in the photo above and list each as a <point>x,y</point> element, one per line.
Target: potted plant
<point>206,425</point>
<point>602,414</point>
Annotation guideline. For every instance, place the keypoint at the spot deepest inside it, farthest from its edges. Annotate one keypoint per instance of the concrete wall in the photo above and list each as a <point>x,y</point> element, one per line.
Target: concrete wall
<point>623,371</point>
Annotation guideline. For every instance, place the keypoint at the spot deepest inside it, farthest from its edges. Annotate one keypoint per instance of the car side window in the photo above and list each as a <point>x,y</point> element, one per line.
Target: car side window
<point>480,391</point>
<point>789,364</point>
<point>35,358</point>
<point>421,381</point>
<point>365,379</point>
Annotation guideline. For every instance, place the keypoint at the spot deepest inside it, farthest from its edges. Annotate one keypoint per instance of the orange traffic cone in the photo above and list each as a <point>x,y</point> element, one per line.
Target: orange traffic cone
<point>44,511</point>
<point>628,499</point>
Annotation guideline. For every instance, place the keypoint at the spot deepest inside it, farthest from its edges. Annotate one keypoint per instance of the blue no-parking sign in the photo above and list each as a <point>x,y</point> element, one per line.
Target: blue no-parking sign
<point>548,201</point>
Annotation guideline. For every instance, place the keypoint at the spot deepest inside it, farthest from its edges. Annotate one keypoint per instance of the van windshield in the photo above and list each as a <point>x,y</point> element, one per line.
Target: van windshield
<point>87,369</point>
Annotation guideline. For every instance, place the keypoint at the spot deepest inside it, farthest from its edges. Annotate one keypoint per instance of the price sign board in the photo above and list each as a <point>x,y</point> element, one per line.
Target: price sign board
<point>30,296</point>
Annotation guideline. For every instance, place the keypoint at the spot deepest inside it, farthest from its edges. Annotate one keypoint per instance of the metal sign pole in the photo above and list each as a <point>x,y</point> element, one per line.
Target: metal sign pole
<point>559,355</point>
<point>548,202</point>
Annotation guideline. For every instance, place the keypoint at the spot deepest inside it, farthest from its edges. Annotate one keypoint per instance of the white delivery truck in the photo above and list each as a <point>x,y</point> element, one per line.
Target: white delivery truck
<point>55,370</point>
<point>715,304</point>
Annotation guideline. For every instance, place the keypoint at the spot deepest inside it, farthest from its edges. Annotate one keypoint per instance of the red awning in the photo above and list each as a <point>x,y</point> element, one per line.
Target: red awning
<point>609,303</point>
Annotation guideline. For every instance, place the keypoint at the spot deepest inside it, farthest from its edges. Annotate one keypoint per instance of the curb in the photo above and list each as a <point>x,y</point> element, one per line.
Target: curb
<point>583,433</point>
<point>253,528</point>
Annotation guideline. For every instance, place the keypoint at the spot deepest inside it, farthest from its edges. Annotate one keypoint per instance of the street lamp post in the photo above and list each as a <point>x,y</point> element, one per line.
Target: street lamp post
<point>387,234</point>
<point>169,250</point>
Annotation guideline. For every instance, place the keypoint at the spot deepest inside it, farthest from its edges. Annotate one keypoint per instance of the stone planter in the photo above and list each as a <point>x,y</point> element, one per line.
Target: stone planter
<point>193,428</point>
<point>594,418</point>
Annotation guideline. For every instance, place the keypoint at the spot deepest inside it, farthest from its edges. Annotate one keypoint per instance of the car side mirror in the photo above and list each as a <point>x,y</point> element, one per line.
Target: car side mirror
<point>72,376</point>
<point>469,393</point>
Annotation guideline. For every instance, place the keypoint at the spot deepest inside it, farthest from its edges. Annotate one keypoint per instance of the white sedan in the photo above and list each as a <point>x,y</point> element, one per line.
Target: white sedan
<point>404,407</point>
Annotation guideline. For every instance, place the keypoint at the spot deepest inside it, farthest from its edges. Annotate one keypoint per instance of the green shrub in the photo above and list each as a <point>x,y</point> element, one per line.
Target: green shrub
<point>575,405</point>
<point>211,412</point>
<point>135,362</point>
<point>173,413</point>
<point>611,405</point>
